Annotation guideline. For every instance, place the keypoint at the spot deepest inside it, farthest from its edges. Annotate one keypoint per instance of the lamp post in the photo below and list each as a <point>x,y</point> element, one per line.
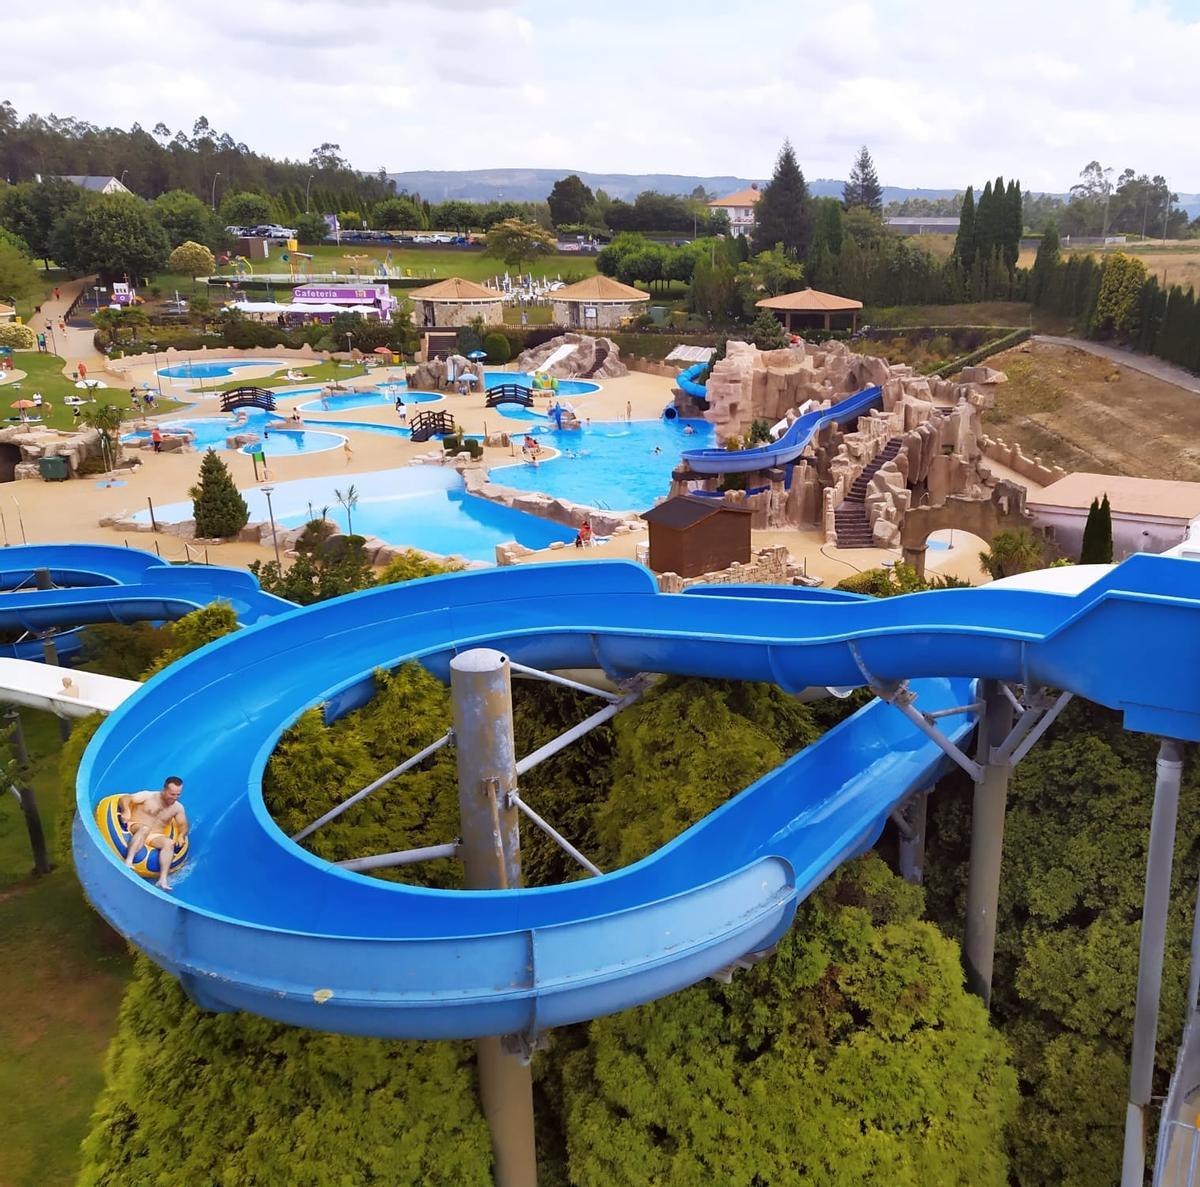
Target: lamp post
<point>349,335</point>
<point>157,376</point>
<point>96,296</point>
<point>121,179</point>
<point>266,489</point>
<point>306,185</point>
<point>213,195</point>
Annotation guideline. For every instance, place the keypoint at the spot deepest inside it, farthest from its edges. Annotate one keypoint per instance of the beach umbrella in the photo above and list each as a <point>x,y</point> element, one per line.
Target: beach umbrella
<point>384,350</point>
<point>23,404</point>
<point>91,384</point>
<point>477,354</point>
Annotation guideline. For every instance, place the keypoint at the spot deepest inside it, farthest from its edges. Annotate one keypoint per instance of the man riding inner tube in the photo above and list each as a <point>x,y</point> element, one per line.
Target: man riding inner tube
<point>145,827</point>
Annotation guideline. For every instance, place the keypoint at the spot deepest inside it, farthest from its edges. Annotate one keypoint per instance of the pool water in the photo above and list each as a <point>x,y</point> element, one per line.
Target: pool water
<point>610,464</point>
<point>566,387</point>
<point>211,432</point>
<point>376,397</point>
<point>414,507</point>
<point>217,370</point>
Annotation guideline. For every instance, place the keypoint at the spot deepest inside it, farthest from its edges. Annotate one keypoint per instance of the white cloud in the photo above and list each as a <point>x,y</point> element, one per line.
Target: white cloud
<point>950,92</point>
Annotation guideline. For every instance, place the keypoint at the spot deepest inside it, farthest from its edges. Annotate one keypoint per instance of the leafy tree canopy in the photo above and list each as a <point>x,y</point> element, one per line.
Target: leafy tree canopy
<point>113,234</point>
<point>570,201</point>
<point>243,208</point>
<point>782,214</point>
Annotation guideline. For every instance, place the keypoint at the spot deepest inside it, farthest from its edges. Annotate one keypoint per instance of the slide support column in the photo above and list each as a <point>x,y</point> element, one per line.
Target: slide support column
<point>481,691</point>
<point>987,842</point>
<point>912,842</point>
<point>1159,857</point>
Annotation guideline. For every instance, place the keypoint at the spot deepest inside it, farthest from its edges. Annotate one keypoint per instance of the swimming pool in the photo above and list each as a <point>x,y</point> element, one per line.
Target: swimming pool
<point>217,370</point>
<point>566,387</point>
<point>610,464</point>
<point>375,397</point>
<point>211,432</point>
<point>414,507</point>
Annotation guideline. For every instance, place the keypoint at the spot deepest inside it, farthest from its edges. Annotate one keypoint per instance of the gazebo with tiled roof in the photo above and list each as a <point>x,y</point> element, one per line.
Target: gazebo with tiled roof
<point>598,303</point>
<point>811,309</point>
<point>456,302</point>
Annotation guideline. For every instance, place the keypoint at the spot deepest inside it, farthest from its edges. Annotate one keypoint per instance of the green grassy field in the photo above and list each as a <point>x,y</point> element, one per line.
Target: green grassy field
<point>64,976</point>
<point>318,373</point>
<point>43,373</point>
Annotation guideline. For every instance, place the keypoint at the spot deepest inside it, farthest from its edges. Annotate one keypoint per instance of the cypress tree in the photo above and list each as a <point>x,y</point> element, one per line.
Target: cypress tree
<point>217,504</point>
<point>1097,546</point>
<point>984,224</point>
<point>782,214</point>
<point>964,243</point>
<point>1014,224</point>
<point>1044,265</point>
<point>863,188</point>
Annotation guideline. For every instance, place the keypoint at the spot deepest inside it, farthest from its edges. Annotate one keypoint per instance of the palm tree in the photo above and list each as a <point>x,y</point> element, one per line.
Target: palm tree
<point>349,501</point>
<point>1014,551</point>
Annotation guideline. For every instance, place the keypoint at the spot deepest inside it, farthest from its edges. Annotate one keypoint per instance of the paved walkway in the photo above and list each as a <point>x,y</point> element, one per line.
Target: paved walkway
<point>1167,372</point>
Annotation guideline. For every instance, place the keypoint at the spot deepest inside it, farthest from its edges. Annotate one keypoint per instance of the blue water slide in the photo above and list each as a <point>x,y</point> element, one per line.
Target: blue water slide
<point>255,922</point>
<point>102,583</point>
<point>687,383</point>
<point>790,446</point>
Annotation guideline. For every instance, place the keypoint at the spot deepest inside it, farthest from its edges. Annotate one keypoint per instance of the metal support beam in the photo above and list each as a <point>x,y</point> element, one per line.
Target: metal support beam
<point>987,841</point>
<point>1156,900</point>
<point>910,820</point>
<point>576,732</point>
<point>401,857</point>
<point>394,773</point>
<point>554,678</point>
<point>557,837</point>
<point>481,691</point>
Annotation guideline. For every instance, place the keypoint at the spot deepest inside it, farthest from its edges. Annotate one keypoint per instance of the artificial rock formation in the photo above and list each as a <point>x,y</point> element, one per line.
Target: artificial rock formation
<point>592,358</point>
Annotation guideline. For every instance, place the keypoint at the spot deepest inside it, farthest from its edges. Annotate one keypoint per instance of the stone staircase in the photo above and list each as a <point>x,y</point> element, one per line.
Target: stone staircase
<point>850,519</point>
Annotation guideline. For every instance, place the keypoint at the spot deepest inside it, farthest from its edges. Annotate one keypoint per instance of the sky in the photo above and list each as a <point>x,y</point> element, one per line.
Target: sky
<point>944,93</point>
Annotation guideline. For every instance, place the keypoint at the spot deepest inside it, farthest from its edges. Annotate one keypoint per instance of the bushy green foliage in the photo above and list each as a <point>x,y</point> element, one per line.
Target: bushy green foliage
<point>1067,934</point>
<point>185,218</point>
<point>851,1057</point>
<point>1117,302</point>
<point>236,1101</point>
<point>17,337</point>
<point>241,208</point>
<point>19,279</point>
<point>112,234</point>
<point>497,347</point>
<point>899,579</point>
<point>217,504</point>
<point>192,259</point>
<point>1015,550</point>
<point>127,651</point>
<point>409,565</point>
<point>193,631</point>
<point>311,228</point>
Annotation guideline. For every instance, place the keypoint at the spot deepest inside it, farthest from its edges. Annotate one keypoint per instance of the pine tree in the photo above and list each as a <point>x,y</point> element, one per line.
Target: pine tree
<point>863,188</point>
<point>782,214</point>
<point>767,333</point>
<point>964,243</point>
<point>1097,546</point>
<point>217,504</point>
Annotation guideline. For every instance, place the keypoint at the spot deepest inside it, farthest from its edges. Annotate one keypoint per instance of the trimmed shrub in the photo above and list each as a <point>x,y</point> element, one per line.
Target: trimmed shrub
<point>17,337</point>
<point>498,350</point>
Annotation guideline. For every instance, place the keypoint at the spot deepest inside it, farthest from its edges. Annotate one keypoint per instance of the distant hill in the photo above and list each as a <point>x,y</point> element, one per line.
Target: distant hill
<point>532,185</point>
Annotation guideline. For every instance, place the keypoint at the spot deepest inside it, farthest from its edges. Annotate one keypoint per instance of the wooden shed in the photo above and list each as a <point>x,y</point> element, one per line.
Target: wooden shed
<point>691,535</point>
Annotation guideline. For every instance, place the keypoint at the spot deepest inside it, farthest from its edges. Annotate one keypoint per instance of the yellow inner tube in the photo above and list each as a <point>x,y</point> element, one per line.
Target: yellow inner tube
<point>146,862</point>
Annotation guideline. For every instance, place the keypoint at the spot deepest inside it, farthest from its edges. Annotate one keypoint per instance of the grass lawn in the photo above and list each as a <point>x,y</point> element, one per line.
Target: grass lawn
<point>317,372</point>
<point>357,261</point>
<point>65,974</point>
<point>26,305</point>
<point>43,373</point>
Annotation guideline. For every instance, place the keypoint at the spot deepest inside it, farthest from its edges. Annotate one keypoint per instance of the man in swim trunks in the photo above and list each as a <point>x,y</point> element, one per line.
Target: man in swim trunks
<point>147,815</point>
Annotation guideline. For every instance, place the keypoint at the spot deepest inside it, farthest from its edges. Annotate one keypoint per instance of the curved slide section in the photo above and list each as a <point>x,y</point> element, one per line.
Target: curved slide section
<point>790,446</point>
<point>687,382</point>
<point>257,923</point>
<point>103,583</point>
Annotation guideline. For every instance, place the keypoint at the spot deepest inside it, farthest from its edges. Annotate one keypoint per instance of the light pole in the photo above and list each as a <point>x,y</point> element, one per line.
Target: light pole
<point>157,376</point>
<point>306,185</point>
<point>266,490</point>
<point>96,296</point>
<point>213,196</point>
<point>349,349</point>
<point>121,179</point>
<point>1107,199</point>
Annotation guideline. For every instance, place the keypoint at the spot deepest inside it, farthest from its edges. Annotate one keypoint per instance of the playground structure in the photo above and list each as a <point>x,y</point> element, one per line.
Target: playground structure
<point>288,936</point>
